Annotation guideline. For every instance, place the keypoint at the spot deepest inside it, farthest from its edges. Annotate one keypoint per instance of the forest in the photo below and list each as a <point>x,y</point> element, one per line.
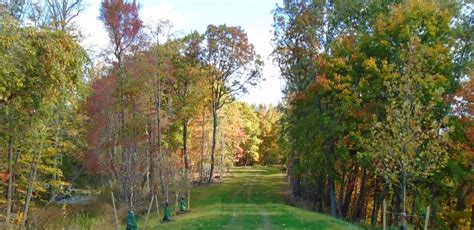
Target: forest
<point>375,127</point>
<point>379,107</point>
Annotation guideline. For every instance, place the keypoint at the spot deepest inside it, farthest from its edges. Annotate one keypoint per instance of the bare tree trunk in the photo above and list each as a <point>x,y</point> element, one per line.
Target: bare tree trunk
<point>294,178</point>
<point>379,197</point>
<point>157,203</point>
<point>185,144</point>
<point>341,191</point>
<point>332,195</point>
<point>222,154</point>
<point>349,191</point>
<point>134,152</point>
<point>189,199</point>
<point>404,210</point>
<point>34,170</point>
<point>125,156</point>
<point>176,203</point>
<point>151,159</point>
<point>214,139</point>
<point>159,136</point>
<point>396,208</point>
<point>375,210</point>
<point>52,192</point>
<point>329,149</point>
<point>361,199</point>
<point>322,185</point>
<point>201,168</point>
<point>10,178</point>
<point>167,194</point>
<point>169,171</point>
<point>115,210</point>
<point>111,150</point>
<point>148,211</point>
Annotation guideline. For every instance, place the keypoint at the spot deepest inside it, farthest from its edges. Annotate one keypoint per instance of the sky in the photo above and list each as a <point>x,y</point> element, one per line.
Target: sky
<point>254,16</point>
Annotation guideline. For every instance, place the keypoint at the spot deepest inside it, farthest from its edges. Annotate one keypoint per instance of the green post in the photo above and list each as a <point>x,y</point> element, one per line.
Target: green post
<point>182,205</point>
<point>167,216</point>
<point>131,221</point>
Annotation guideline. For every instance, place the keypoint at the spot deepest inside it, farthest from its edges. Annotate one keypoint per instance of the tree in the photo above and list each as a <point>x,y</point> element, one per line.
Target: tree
<point>62,12</point>
<point>16,8</point>
<point>269,151</point>
<point>235,66</point>
<point>408,145</point>
<point>241,128</point>
<point>123,24</point>
<point>41,67</point>
<point>189,87</point>
<point>342,64</point>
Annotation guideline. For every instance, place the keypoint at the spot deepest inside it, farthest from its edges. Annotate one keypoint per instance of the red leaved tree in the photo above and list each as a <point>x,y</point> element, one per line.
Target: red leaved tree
<point>123,25</point>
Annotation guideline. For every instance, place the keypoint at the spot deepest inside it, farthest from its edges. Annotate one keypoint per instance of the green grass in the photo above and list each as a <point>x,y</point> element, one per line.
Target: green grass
<point>249,198</point>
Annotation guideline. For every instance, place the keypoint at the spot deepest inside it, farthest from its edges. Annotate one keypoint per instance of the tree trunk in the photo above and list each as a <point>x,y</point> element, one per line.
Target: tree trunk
<point>404,210</point>
<point>329,149</point>
<point>125,154</point>
<point>341,190</point>
<point>322,184</point>
<point>185,143</point>
<point>201,168</point>
<point>133,152</point>
<point>347,201</point>
<point>314,196</point>
<point>332,195</point>
<point>111,150</point>
<point>52,192</point>
<point>10,178</point>
<point>222,155</point>
<point>150,151</point>
<point>413,210</point>
<point>361,199</point>
<point>151,159</point>
<point>349,190</point>
<point>396,208</point>
<point>294,178</point>
<point>379,197</point>
<point>34,169</point>
<point>434,207</point>
<point>159,136</point>
<point>214,139</point>
<point>176,203</point>
<point>189,199</point>
<point>170,173</point>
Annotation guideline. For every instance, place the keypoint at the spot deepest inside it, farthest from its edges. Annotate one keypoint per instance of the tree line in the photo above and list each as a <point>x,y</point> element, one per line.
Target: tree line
<point>378,108</point>
<point>150,117</point>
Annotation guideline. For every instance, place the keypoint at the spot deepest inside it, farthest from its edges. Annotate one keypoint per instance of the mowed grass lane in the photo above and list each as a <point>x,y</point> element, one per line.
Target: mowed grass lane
<point>249,198</point>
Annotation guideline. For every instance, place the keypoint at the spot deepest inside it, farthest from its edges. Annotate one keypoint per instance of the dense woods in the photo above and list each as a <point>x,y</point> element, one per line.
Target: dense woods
<point>378,109</point>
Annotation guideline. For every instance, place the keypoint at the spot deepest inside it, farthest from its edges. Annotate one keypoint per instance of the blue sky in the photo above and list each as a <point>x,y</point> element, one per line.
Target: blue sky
<point>254,16</point>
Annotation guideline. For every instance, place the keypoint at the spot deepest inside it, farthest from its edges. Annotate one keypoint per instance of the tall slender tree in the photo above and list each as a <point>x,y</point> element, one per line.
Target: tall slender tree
<point>123,25</point>
<point>234,67</point>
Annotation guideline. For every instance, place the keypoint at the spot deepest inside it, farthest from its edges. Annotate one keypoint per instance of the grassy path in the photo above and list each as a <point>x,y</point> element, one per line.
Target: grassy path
<point>250,198</point>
